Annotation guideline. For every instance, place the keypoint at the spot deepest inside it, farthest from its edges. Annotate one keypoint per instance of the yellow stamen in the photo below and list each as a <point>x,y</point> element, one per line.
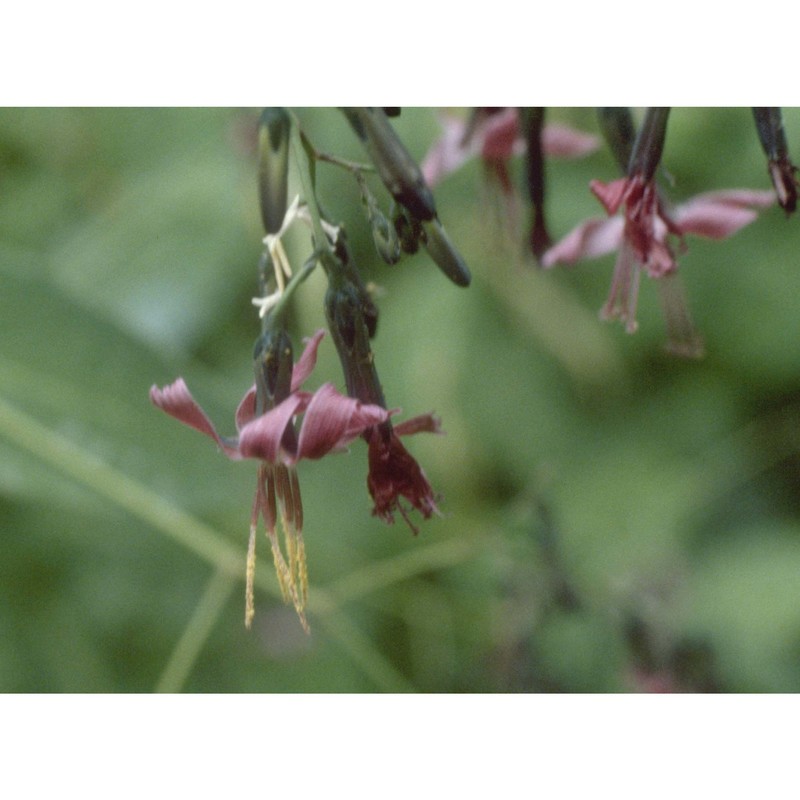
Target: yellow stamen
<point>250,572</point>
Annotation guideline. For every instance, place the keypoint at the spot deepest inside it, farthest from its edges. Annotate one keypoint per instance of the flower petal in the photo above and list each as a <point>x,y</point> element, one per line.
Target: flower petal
<point>247,408</point>
<point>262,437</point>
<point>611,195</point>
<point>500,137</point>
<point>717,215</point>
<point>424,423</point>
<point>591,239</point>
<point>306,363</point>
<point>561,141</point>
<point>448,152</point>
<point>332,421</point>
<point>177,401</point>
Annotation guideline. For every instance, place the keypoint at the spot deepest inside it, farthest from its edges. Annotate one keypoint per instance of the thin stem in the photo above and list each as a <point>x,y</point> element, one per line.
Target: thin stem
<point>286,295</point>
<point>407,565</point>
<point>321,242</point>
<point>351,166</point>
<point>217,593</point>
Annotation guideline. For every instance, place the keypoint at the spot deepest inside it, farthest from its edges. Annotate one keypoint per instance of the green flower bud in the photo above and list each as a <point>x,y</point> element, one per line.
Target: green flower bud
<point>349,270</point>
<point>273,166</point>
<point>272,364</point>
<point>384,237</point>
<point>350,333</point>
<point>396,168</point>
<point>444,253</point>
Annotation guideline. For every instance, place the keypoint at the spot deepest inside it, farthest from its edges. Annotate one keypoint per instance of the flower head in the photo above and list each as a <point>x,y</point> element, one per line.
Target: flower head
<point>642,237</point>
<point>331,421</point>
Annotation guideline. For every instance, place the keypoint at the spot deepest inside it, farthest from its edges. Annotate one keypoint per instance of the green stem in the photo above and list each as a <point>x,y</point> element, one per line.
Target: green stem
<point>217,593</point>
<point>321,242</point>
<point>276,312</point>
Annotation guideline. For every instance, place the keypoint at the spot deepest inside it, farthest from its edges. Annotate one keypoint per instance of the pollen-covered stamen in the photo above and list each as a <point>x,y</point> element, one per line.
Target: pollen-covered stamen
<point>250,572</point>
<point>286,576</point>
<point>287,490</point>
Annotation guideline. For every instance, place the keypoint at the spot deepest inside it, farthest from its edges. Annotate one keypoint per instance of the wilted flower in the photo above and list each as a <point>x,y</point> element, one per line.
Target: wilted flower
<point>331,421</point>
<point>641,234</point>
<point>394,473</point>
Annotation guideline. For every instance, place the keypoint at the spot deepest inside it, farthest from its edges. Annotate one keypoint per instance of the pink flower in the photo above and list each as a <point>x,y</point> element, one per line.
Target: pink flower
<point>331,421</point>
<point>495,136</point>
<point>641,235</point>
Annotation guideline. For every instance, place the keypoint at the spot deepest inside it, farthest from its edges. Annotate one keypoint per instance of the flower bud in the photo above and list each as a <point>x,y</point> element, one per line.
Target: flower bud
<point>350,334</point>
<point>444,253</point>
<point>384,237</point>
<point>273,166</point>
<point>396,168</point>
<point>272,364</point>
<point>368,308</point>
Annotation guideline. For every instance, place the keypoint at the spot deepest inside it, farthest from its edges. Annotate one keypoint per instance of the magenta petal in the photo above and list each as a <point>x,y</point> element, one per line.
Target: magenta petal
<point>177,401</point>
<point>448,153</point>
<point>247,408</point>
<point>262,437</point>
<point>591,239</point>
<point>424,423</point>
<point>306,363</point>
<point>500,136</point>
<point>332,421</point>
<point>717,215</point>
<point>611,195</point>
<point>561,141</point>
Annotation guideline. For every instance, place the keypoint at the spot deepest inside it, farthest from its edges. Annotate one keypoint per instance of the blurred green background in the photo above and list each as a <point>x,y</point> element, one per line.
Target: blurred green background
<point>614,518</point>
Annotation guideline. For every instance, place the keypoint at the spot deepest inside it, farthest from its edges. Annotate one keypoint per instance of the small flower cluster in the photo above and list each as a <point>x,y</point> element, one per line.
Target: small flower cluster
<point>279,424</point>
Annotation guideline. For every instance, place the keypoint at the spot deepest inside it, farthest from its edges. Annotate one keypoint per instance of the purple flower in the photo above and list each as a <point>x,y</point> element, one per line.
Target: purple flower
<point>330,422</point>
<point>642,237</point>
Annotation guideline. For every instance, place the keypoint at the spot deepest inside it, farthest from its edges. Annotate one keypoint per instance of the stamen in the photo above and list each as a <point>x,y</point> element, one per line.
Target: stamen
<point>250,573</point>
